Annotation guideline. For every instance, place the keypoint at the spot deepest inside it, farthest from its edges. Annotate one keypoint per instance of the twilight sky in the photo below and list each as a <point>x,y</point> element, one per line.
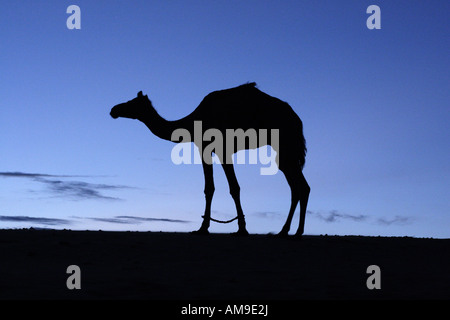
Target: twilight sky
<point>374,104</point>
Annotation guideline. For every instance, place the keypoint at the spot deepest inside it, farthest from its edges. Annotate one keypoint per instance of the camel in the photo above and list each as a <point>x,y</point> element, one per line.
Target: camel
<point>244,107</point>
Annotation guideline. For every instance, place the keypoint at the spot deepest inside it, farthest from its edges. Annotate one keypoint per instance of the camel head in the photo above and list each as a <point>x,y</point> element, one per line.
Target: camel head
<point>132,109</point>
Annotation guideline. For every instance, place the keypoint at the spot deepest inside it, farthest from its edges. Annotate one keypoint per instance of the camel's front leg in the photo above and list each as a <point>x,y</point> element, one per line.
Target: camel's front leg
<point>235,193</point>
<point>209,192</point>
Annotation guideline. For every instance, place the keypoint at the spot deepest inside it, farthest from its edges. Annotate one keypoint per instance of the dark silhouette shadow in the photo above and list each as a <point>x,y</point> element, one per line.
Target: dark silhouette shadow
<point>243,107</point>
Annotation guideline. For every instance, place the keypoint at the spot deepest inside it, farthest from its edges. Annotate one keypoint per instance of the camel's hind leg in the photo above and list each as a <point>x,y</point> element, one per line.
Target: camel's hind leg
<point>304,196</point>
<point>299,192</point>
<point>293,184</point>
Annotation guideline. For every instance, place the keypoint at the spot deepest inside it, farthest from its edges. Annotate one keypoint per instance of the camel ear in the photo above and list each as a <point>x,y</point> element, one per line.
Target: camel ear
<point>140,94</point>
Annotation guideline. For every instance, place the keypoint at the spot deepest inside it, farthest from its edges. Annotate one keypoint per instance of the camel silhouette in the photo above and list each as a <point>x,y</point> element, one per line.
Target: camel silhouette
<point>241,107</point>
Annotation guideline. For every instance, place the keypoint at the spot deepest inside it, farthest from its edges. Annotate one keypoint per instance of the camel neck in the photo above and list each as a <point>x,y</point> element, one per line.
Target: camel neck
<point>161,127</point>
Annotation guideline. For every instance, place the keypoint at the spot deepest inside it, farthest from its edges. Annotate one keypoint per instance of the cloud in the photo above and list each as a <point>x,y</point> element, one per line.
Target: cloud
<point>334,216</point>
<point>397,220</point>
<point>75,190</point>
<point>79,189</point>
<point>16,174</point>
<point>38,220</point>
<point>136,220</point>
<point>76,220</point>
<point>268,214</point>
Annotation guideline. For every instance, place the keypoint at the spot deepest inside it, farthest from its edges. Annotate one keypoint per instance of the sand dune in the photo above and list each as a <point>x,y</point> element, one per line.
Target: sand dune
<point>167,266</point>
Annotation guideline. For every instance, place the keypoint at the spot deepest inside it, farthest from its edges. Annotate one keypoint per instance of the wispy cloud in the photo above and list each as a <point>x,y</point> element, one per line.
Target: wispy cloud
<point>334,216</point>
<point>136,220</point>
<point>58,186</point>
<point>267,214</point>
<point>76,220</point>
<point>78,190</point>
<point>37,220</point>
<point>18,174</point>
<point>397,220</point>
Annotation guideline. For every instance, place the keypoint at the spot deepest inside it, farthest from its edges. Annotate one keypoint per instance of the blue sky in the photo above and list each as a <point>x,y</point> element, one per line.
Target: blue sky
<point>374,103</point>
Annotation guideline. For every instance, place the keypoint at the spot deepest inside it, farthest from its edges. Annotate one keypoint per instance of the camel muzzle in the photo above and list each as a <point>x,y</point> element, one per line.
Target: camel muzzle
<point>113,114</point>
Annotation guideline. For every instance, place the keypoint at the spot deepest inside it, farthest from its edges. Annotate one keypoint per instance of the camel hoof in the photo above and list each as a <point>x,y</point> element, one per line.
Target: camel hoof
<point>241,232</point>
<point>282,234</point>
<point>298,236</point>
<point>201,232</point>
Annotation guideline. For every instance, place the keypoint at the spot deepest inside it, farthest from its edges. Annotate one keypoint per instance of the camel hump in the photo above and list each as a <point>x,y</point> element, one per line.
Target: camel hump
<point>248,84</point>
<point>225,94</point>
<point>245,86</point>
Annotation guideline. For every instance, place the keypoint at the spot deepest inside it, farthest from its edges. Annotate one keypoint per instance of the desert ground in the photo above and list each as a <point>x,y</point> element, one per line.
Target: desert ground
<point>181,266</point>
